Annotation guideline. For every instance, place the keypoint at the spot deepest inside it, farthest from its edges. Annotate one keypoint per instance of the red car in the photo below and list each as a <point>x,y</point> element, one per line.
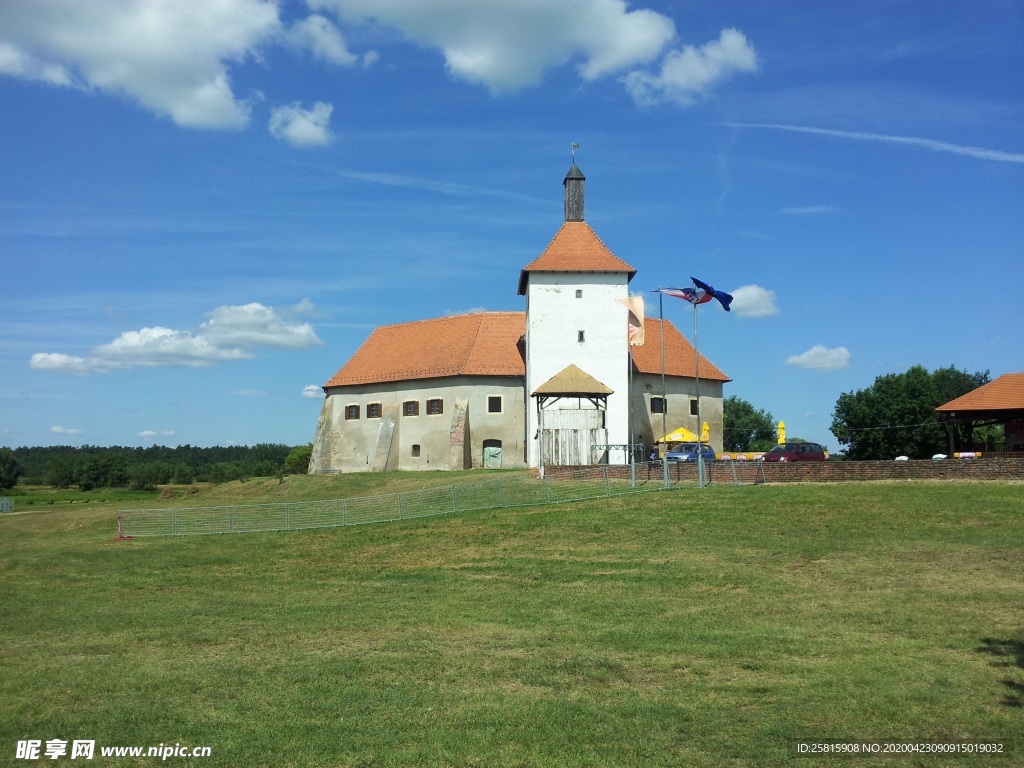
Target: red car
<point>796,452</point>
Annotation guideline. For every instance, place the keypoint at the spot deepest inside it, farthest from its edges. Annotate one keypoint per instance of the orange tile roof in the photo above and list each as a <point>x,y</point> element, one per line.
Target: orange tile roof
<point>1004,394</point>
<point>575,248</point>
<point>478,344</point>
<point>487,344</point>
<point>679,358</point>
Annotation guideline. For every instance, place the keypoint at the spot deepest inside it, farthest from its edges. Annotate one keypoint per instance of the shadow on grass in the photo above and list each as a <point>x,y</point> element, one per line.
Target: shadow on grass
<point>1009,653</point>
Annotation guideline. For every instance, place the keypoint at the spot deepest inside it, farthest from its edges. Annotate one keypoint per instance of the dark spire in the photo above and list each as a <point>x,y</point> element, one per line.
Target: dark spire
<point>574,194</point>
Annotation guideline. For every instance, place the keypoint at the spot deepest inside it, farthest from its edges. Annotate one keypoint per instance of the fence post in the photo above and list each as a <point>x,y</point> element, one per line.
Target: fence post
<point>500,502</point>
<point>344,513</point>
<point>174,522</point>
<point>231,519</point>
<point>399,505</point>
<point>287,518</point>
<point>607,482</point>
<point>455,498</point>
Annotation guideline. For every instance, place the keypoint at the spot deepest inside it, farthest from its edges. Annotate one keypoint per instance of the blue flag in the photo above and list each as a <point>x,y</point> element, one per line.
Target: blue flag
<point>701,294</point>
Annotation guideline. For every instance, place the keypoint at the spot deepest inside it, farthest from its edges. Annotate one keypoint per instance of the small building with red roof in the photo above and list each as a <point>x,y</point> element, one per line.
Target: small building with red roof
<point>1000,401</point>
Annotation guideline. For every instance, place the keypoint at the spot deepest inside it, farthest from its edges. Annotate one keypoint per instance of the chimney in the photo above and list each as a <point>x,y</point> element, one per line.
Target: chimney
<point>574,194</point>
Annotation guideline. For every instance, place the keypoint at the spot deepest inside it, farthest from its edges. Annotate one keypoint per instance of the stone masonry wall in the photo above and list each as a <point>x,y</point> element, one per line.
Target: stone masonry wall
<point>988,468</point>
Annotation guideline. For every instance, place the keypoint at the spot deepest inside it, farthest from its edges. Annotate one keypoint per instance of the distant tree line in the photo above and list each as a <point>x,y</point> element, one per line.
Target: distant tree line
<point>89,467</point>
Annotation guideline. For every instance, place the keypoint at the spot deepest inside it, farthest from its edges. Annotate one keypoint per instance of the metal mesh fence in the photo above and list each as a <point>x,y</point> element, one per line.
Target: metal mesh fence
<point>503,491</point>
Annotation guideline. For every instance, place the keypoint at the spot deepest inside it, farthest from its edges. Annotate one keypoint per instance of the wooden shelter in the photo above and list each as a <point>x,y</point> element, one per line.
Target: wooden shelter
<point>999,402</point>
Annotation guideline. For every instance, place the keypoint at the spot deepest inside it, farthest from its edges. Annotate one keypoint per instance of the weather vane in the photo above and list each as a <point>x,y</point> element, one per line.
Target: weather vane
<point>575,146</point>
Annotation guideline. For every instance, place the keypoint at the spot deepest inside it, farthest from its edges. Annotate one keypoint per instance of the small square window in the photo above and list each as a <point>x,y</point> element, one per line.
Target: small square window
<point>351,412</point>
<point>580,336</point>
<point>494,403</point>
<point>579,293</point>
<point>411,408</point>
<point>415,451</point>
<point>693,406</point>
<point>435,406</point>
<point>373,410</point>
<point>658,405</point>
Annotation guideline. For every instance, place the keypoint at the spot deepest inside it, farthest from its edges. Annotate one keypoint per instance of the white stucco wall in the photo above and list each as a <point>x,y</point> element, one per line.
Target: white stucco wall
<point>648,426</point>
<point>554,318</point>
<point>349,445</point>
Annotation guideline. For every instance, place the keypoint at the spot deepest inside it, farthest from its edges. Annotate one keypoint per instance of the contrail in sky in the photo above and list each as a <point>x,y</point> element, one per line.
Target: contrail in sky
<point>935,146</point>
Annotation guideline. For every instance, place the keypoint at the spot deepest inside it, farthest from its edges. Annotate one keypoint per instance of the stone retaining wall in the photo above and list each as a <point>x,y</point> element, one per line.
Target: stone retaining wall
<point>988,468</point>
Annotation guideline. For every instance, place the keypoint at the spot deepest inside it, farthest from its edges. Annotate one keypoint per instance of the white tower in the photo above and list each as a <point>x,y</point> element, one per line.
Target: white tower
<point>573,318</point>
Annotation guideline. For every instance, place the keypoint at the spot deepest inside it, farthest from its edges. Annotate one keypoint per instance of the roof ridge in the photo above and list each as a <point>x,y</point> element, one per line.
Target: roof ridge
<point>449,317</point>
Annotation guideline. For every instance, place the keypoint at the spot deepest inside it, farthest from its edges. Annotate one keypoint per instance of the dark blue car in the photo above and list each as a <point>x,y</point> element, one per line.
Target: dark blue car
<point>688,452</point>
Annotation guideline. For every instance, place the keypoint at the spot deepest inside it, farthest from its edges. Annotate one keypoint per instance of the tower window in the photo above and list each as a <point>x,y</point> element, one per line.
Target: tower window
<point>658,405</point>
<point>580,337</point>
<point>373,410</point>
<point>693,406</point>
<point>494,403</point>
<point>435,406</point>
<point>415,451</point>
<point>579,293</point>
<point>351,412</point>
<point>411,408</point>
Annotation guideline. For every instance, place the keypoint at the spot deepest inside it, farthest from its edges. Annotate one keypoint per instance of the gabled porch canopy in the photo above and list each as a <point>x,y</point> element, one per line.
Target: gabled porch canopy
<point>572,381</point>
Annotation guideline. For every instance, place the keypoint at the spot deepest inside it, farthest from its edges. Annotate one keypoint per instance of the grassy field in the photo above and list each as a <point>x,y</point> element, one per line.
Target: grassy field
<point>711,627</point>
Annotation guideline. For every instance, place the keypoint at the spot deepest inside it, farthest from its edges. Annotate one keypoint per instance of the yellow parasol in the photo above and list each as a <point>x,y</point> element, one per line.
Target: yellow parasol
<point>681,435</point>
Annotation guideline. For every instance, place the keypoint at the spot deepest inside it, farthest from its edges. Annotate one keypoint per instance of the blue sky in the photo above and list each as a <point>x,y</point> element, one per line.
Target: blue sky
<point>205,208</point>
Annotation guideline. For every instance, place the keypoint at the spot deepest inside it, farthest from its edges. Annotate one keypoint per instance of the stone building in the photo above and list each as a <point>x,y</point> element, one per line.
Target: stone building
<point>551,385</point>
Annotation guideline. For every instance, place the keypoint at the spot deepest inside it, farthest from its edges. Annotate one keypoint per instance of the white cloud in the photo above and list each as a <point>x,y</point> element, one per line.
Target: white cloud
<point>754,301</point>
<point>231,333</point>
<point>172,57</point>
<point>302,127</point>
<point>506,45</point>
<point>149,434</point>
<point>318,35</point>
<point>20,64</point>
<point>312,391</point>
<point>690,73</point>
<point>820,358</point>
<point>58,430</point>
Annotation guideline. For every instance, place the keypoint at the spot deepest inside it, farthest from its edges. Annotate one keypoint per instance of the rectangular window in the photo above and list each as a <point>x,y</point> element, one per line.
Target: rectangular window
<point>435,406</point>
<point>373,410</point>
<point>580,336</point>
<point>411,408</point>
<point>494,403</point>
<point>693,406</point>
<point>579,293</point>
<point>415,451</point>
<point>658,405</point>
<point>351,412</point>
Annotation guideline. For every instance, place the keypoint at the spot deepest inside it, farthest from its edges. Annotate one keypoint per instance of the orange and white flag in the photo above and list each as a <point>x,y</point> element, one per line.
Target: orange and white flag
<point>635,305</point>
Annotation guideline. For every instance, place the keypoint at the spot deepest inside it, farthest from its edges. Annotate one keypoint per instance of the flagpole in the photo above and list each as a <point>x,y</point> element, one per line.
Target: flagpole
<point>664,393</point>
<point>696,378</point>
<point>632,437</point>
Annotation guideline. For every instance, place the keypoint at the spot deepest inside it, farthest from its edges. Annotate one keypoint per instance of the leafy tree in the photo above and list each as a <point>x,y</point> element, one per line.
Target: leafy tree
<point>62,471</point>
<point>746,429</point>
<point>10,469</point>
<point>183,474</point>
<point>223,472</point>
<point>297,462</point>
<point>896,415</point>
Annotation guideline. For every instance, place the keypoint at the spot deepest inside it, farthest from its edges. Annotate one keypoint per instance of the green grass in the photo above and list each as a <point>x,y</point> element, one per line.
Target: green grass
<point>694,627</point>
